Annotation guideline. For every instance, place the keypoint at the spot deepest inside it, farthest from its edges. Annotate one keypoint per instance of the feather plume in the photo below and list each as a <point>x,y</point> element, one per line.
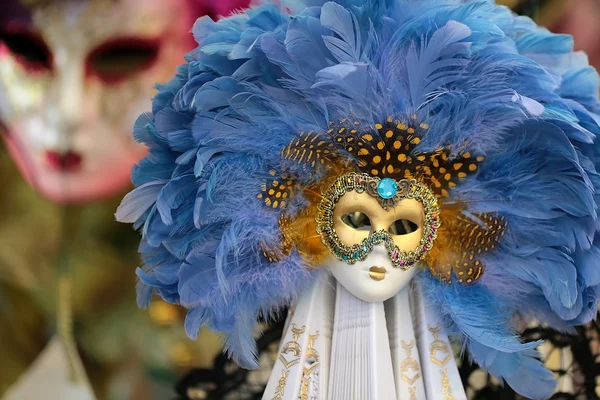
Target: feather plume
<point>481,79</point>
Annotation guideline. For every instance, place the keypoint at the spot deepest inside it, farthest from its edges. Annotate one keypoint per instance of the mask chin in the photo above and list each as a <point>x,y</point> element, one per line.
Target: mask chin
<point>374,279</point>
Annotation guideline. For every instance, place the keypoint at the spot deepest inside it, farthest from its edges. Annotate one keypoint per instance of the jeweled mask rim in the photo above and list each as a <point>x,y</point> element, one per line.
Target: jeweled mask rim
<point>360,182</point>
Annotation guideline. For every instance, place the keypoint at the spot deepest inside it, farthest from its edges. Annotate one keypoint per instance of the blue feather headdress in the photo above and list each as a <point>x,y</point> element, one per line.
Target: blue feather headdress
<point>468,79</point>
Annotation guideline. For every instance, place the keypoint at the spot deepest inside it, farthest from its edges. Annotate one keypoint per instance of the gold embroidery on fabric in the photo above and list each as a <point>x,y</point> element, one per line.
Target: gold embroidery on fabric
<point>294,348</point>
<point>413,393</point>
<point>409,363</point>
<point>446,389</point>
<point>438,346</point>
<point>287,326</point>
<point>312,364</point>
<point>280,388</point>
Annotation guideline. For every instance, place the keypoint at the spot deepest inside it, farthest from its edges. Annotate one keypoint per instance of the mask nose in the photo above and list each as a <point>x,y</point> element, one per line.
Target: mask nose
<point>381,224</point>
<point>65,112</point>
<point>379,251</point>
<point>378,257</point>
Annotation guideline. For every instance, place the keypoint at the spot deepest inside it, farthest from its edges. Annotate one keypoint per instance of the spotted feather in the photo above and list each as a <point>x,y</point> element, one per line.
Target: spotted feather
<point>284,246</point>
<point>276,192</point>
<point>442,173</point>
<point>309,148</point>
<point>388,150</point>
<point>468,238</point>
<point>383,150</point>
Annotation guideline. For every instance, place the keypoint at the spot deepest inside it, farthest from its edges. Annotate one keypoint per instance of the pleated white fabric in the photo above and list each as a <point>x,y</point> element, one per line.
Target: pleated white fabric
<point>305,349</point>
<point>440,373</point>
<point>408,375</point>
<point>336,346</point>
<point>361,362</point>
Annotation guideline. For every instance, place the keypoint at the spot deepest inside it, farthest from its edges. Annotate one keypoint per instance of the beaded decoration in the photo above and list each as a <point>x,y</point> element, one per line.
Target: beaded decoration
<point>392,194</point>
<point>386,158</point>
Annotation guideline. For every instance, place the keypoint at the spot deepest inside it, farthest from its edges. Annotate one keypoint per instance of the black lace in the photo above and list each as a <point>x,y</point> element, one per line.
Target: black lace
<point>226,381</point>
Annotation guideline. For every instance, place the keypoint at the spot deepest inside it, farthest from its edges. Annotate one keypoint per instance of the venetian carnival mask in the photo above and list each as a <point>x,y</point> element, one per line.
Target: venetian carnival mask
<point>74,75</point>
<point>378,218</point>
<point>377,229</point>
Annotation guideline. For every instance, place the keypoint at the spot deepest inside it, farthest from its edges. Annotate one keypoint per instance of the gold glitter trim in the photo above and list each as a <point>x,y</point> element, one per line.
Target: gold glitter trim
<point>279,391</point>
<point>359,252</point>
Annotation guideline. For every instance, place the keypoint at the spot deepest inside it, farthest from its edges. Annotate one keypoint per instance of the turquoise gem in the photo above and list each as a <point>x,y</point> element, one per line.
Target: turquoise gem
<point>387,188</point>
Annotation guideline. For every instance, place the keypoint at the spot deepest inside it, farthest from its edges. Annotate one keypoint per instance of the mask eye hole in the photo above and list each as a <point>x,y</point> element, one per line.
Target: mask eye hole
<point>403,227</point>
<point>29,49</point>
<point>120,59</point>
<point>357,220</point>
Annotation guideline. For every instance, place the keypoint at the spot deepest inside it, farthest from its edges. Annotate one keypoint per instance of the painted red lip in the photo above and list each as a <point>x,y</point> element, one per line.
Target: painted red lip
<point>66,162</point>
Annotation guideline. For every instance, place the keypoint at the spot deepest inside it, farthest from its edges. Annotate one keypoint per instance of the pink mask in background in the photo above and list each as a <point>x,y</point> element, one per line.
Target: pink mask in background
<point>580,19</point>
<point>74,76</point>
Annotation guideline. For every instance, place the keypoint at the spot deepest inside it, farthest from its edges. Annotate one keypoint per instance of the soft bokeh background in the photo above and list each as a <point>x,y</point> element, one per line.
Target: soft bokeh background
<point>74,75</point>
<point>128,353</point>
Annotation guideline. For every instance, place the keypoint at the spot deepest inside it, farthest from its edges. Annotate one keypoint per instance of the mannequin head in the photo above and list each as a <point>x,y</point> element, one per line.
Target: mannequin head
<point>74,75</point>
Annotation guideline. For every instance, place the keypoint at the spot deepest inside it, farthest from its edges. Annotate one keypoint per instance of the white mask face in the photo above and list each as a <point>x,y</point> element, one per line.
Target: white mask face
<point>74,76</point>
<point>375,279</point>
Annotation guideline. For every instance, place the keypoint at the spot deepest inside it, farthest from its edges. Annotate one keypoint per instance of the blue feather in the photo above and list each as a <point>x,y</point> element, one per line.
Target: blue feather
<point>196,276</point>
<point>424,69</point>
<point>523,372</point>
<point>240,345</point>
<point>201,209</point>
<point>303,41</point>
<point>136,203</point>
<point>347,46</point>
<point>173,194</point>
<point>203,156</point>
<point>194,319</point>
<point>216,94</point>
<point>144,294</point>
<point>482,79</point>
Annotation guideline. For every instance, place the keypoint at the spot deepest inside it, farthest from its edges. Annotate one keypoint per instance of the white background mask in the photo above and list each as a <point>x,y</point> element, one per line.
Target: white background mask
<point>74,76</point>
